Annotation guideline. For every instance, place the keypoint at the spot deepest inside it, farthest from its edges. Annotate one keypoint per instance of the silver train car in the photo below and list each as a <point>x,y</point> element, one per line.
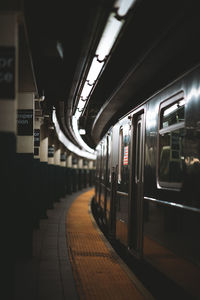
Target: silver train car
<point>147,184</point>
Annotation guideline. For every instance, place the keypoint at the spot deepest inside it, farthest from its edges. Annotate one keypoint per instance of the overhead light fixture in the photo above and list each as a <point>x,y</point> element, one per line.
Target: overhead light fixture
<point>109,36</point>
<point>77,114</point>
<point>78,137</point>
<point>94,71</point>
<point>113,27</point>
<point>81,105</point>
<point>86,90</point>
<point>123,6</point>
<point>69,145</point>
<point>82,131</point>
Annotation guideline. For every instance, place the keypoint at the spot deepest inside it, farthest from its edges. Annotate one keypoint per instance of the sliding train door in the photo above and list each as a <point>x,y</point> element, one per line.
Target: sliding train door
<point>137,180</point>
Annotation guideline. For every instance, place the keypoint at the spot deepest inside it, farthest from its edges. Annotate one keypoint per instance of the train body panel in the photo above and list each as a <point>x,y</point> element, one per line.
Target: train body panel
<point>150,196</point>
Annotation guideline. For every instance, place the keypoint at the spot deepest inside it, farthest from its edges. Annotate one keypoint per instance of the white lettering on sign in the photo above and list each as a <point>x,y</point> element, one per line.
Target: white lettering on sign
<point>6,62</point>
<point>6,77</point>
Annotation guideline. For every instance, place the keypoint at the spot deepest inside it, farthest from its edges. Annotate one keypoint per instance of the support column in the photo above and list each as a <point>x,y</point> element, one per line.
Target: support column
<point>69,161</point>
<point>57,153</point>
<point>43,144</point>
<point>80,163</point>
<point>8,114</point>
<point>69,173</point>
<point>37,138</point>
<point>90,165</point>
<point>25,140</point>
<point>44,180</point>
<point>63,170</point>
<point>25,186</point>
<point>63,157</point>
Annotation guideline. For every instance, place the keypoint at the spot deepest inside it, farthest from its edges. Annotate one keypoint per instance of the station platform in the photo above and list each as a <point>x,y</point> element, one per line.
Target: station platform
<point>73,260</point>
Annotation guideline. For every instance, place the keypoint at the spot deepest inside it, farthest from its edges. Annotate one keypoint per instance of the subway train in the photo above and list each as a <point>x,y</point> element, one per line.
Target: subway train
<point>147,182</point>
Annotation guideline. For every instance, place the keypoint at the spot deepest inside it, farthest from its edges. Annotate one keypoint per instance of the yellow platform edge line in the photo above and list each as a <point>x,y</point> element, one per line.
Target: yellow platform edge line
<point>137,283</point>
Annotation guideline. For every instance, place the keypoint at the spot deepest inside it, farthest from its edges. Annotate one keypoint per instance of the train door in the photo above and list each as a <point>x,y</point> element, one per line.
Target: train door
<point>108,178</point>
<point>137,178</point>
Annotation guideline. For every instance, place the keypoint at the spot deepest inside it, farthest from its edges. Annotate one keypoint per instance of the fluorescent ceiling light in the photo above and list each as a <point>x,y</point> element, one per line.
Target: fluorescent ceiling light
<point>81,105</point>
<point>78,137</point>
<point>69,145</point>
<point>124,6</point>
<point>95,69</point>
<point>87,88</point>
<point>82,131</point>
<point>77,114</point>
<point>109,36</point>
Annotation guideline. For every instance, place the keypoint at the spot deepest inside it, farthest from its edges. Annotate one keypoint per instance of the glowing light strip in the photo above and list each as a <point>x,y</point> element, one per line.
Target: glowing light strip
<point>124,6</point>
<point>110,34</point>
<point>69,145</point>
<point>77,134</point>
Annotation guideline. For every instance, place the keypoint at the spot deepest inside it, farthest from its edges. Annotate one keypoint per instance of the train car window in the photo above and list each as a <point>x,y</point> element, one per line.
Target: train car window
<point>171,137</point>
<point>120,155</point>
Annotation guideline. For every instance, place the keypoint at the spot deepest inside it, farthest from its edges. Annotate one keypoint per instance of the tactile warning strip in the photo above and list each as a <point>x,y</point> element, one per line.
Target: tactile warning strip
<point>97,272</point>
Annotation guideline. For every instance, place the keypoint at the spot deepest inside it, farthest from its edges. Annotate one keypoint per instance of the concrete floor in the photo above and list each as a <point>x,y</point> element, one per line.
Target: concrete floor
<point>48,275</point>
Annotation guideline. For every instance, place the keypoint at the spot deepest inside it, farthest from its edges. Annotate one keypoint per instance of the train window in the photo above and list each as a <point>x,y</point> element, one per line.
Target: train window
<point>120,155</point>
<point>171,138</point>
<point>173,114</point>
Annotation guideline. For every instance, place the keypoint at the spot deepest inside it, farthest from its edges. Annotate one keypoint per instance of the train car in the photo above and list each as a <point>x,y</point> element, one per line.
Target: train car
<point>148,181</point>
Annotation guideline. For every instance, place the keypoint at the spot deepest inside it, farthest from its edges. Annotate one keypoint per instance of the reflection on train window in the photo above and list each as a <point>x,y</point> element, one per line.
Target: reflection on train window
<point>173,114</point>
<point>171,138</point>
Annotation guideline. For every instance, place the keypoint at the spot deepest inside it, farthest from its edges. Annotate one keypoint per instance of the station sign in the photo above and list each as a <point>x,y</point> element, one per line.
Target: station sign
<point>85,162</point>
<point>7,72</point>
<point>25,122</point>
<point>36,137</point>
<point>63,157</point>
<point>50,151</point>
<point>36,151</point>
<point>74,161</point>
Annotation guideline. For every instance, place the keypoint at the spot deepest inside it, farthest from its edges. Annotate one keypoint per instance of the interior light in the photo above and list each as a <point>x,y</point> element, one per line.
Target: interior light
<point>95,69</point>
<point>109,36</point>
<point>82,131</point>
<point>124,6</point>
<point>87,88</point>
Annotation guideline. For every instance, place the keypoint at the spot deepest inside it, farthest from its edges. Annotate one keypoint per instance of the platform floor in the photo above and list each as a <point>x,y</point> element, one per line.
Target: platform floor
<point>48,275</point>
<point>98,271</point>
<point>86,267</point>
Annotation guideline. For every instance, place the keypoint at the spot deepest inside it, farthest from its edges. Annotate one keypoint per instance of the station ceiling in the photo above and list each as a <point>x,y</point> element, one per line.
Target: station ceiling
<point>159,41</point>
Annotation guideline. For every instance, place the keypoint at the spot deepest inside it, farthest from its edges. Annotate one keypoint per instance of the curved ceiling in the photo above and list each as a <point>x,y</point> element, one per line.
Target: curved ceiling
<point>157,43</point>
